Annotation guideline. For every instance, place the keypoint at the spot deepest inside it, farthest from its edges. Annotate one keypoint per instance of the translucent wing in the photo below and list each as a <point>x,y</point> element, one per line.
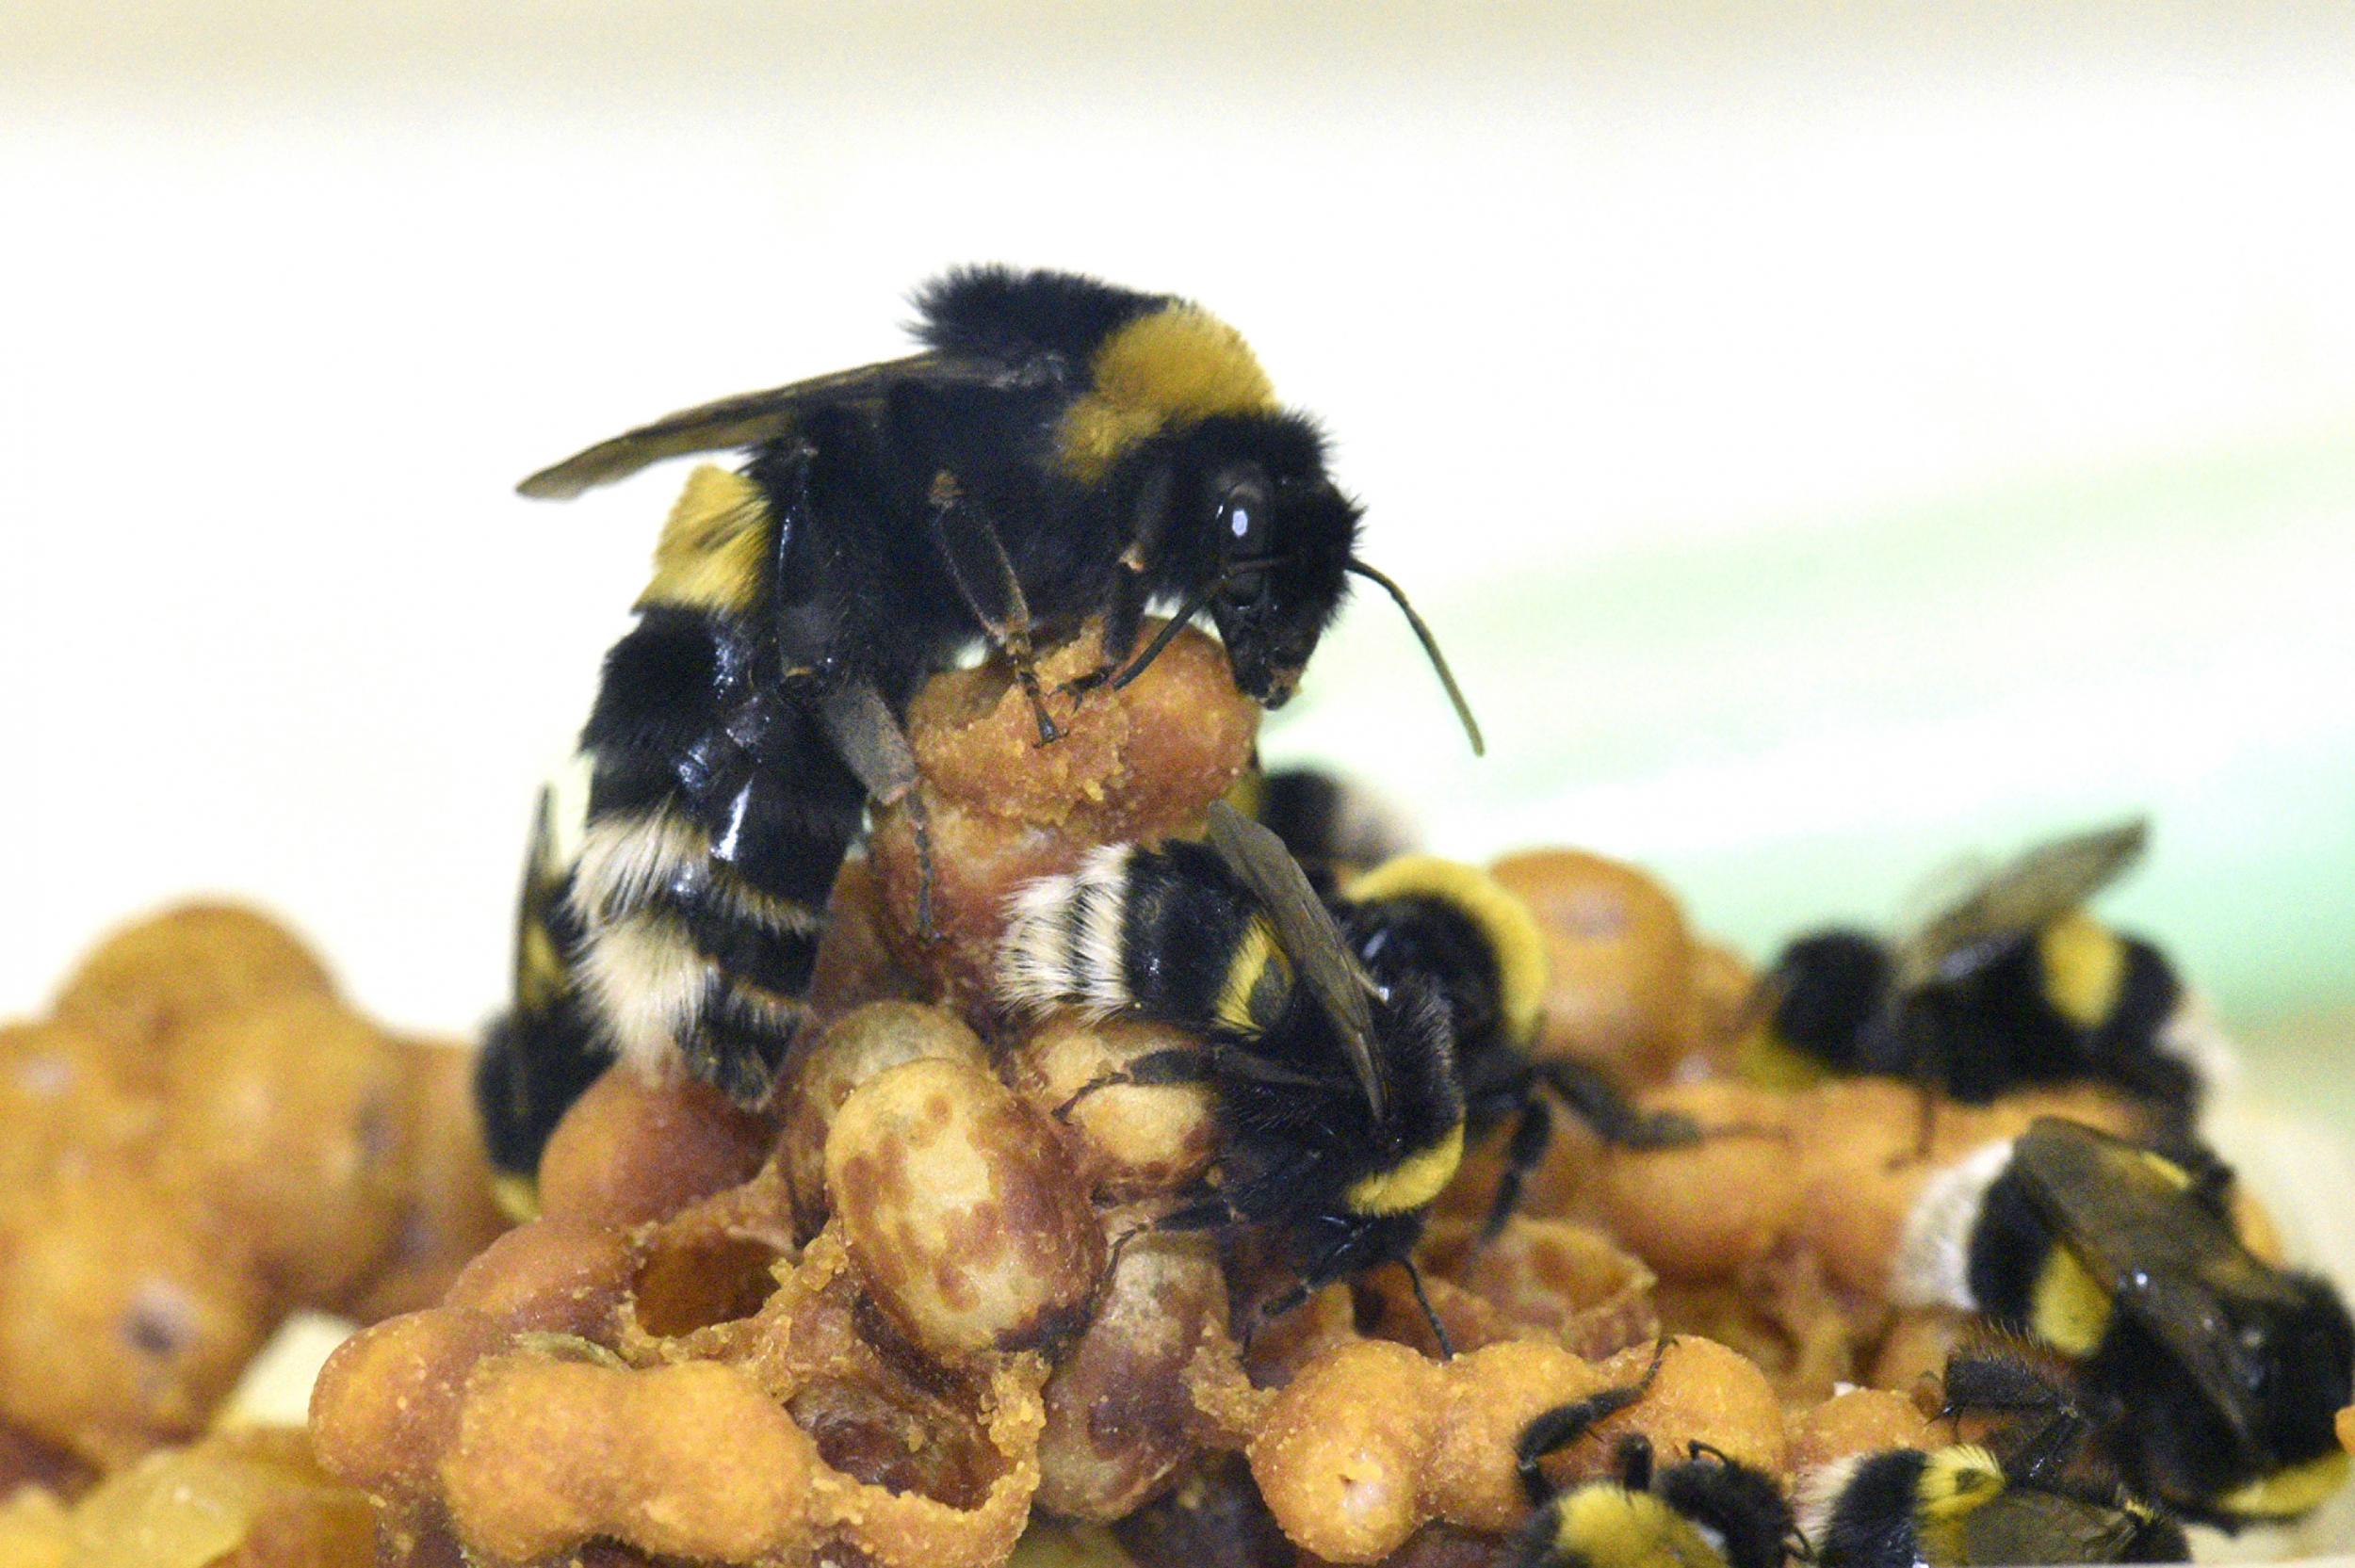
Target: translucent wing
<point>1305,932</point>
<point>749,418</point>
<point>2166,1256</point>
<point>2036,888</point>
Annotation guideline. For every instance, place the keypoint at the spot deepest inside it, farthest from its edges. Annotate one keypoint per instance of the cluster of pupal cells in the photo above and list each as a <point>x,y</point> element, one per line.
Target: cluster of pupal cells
<point>1062,452</point>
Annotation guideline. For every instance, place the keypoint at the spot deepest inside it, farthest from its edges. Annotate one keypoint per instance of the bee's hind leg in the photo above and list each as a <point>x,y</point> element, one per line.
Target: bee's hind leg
<point>876,748</point>
<point>1522,1155</point>
<point>1009,630</point>
<point>1613,1117</point>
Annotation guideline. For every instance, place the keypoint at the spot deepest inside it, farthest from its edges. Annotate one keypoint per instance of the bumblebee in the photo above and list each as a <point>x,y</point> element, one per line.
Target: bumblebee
<point>1704,1511</point>
<point>2212,1378</point>
<point>2024,1494</point>
<point>1439,923</point>
<point>2010,985</point>
<point>1961,1506</point>
<point>1060,450</point>
<point>1336,1097</point>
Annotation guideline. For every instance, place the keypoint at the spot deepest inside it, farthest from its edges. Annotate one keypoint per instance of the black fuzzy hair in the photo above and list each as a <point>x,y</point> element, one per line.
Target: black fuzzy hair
<point>1871,1523</point>
<point>1744,1506</point>
<point>1833,983</point>
<point>1003,312</point>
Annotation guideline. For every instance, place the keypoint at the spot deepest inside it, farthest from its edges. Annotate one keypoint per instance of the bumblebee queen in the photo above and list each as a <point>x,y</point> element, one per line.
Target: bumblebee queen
<point>1060,450</point>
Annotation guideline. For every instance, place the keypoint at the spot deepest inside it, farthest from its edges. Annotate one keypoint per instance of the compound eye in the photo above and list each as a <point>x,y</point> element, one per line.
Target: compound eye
<point>1246,529</point>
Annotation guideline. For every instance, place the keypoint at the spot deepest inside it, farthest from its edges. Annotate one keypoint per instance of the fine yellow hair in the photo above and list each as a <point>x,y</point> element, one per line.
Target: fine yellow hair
<point>1176,366</point>
<point>2069,1307</point>
<point>1609,1526</point>
<point>1954,1482</point>
<point>1413,1182</point>
<point>2085,963</point>
<point>711,551</point>
<point>1256,960</point>
<point>1503,919</point>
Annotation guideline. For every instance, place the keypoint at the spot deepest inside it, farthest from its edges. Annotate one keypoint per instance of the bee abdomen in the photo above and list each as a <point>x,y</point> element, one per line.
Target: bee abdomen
<point>1941,1258</point>
<point>1065,942</point>
<point>1164,933</point>
<point>685,960</point>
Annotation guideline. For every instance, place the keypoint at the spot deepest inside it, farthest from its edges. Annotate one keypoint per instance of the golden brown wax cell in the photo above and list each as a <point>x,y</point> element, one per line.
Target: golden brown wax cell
<point>1342,1458</point>
<point>123,1318</point>
<point>1725,1006</point>
<point>64,1103</point>
<point>1493,1394</point>
<point>962,1211</point>
<point>1619,986</point>
<point>549,1453</point>
<point>552,1276</point>
<point>386,1405</point>
<point>856,963</point>
<point>1128,1139</point>
<point>290,1121</point>
<point>855,1047</point>
<point>1134,765</point>
<point>1860,1421</point>
<point>1709,1210</point>
<point>1119,1420</point>
<point>146,982</point>
<point>630,1151</point>
<point>1568,1282</point>
<point>447,1212</point>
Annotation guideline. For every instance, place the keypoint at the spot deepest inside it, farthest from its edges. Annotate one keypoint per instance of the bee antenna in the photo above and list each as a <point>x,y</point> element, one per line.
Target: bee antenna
<point>1430,647</point>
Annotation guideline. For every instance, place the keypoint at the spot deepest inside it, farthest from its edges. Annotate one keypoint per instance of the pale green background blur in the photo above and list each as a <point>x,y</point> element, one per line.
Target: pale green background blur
<point>1820,719</point>
<point>1828,440</point>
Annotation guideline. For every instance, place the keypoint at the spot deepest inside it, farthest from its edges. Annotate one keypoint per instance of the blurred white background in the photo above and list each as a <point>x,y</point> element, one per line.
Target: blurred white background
<point>1823,443</point>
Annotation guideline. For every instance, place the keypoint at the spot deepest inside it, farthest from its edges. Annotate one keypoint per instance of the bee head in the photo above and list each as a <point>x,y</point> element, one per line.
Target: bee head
<point>1273,536</point>
<point>1830,984</point>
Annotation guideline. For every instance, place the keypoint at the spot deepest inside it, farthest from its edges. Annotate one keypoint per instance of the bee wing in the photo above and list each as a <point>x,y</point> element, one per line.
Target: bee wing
<point>1305,929</point>
<point>749,418</point>
<point>2028,1524</point>
<point>2165,1256</point>
<point>2036,888</point>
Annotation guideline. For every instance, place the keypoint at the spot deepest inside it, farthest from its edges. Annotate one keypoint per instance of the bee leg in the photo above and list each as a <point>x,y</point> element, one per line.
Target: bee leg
<point>1563,1425</point>
<point>1598,1103</point>
<point>876,748</point>
<point>1186,1064</point>
<point>1632,1455</point>
<point>2019,1388</point>
<point>1438,1329</point>
<point>1009,632</point>
<point>1530,1136</point>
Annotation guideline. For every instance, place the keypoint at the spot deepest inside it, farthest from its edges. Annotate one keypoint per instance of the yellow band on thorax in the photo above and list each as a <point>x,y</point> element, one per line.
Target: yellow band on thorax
<point>2069,1308</point>
<point>1255,956</point>
<point>1176,366</point>
<point>1503,919</point>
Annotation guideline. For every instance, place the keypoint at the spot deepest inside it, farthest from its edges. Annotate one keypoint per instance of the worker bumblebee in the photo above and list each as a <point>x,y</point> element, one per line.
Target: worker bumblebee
<point>1336,1097</point>
<point>1703,1510</point>
<point>2213,1379</point>
<point>1060,450</point>
<point>2011,985</point>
